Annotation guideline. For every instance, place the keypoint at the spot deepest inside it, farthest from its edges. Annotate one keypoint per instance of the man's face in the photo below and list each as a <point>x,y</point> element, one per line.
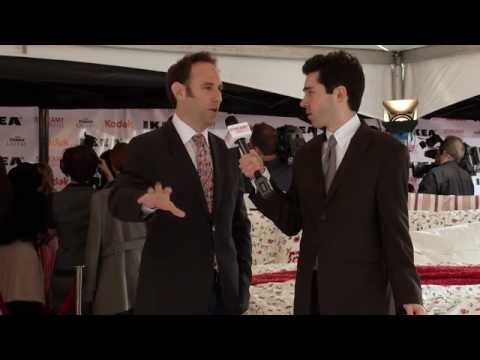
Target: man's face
<point>319,106</point>
<point>204,94</point>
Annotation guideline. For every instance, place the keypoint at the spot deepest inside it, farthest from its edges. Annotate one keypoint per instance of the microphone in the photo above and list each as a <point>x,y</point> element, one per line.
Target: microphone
<point>236,135</point>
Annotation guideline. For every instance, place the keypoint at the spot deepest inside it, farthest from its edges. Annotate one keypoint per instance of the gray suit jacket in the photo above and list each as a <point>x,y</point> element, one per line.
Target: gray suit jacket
<point>113,255</point>
<point>71,212</point>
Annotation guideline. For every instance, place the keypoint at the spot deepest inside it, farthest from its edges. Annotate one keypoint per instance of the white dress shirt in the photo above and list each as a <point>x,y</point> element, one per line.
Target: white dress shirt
<point>186,134</point>
<point>344,135</point>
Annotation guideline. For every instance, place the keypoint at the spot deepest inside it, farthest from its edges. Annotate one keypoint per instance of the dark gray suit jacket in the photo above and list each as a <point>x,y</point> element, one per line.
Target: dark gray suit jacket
<point>358,231</point>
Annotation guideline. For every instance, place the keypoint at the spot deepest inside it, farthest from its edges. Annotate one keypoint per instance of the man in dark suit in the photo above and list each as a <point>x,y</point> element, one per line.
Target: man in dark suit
<point>197,256</point>
<point>448,178</point>
<point>349,195</point>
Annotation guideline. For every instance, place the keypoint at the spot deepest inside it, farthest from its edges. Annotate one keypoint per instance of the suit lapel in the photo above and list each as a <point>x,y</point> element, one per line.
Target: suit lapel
<point>218,159</point>
<point>353,156</point>
<point>184,163</point>
<point>317,171</point>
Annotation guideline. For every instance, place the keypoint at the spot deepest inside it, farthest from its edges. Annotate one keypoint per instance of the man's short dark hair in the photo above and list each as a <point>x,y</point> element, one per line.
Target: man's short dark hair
<point>339,69</point>
<point>80,163</point>
<point>454,147</point>
<point>265,138</point>
<point>181,70</point>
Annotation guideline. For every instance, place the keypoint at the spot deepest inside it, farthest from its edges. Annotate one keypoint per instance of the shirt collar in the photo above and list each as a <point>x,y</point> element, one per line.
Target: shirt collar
<point>185,131</point>
<point>345,132</point>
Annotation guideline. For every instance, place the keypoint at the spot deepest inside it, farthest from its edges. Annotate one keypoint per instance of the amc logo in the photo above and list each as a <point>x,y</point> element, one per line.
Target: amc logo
<point>56,122</point>
<point>120,124</point>
<point>58,142</point>
<point>7,161</point>
<point>10,120</point>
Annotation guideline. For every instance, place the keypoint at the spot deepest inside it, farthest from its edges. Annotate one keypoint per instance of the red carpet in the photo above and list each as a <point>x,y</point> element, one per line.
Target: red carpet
<point>429,275</point>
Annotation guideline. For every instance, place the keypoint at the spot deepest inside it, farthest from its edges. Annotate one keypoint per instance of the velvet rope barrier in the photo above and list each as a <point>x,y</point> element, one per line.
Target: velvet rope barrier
<point>429,275</point>
<point>68,302</point>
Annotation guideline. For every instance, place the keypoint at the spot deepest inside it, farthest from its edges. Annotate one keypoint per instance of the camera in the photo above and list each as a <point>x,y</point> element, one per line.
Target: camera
<point>433,140</point>
<point>290,139</point>
<point>89,140</point>
<point>470,161</point>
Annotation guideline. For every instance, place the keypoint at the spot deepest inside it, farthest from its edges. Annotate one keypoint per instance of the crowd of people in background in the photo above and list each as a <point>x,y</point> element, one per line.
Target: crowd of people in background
<point>46,233</point>
<point>202,263</point>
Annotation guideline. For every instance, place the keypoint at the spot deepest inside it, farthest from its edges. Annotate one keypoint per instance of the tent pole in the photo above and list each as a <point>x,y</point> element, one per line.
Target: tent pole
<point>43,135</point>
<point>398,77</point>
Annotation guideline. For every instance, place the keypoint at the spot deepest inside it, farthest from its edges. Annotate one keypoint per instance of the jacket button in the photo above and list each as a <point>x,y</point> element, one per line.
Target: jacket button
<point>323,217</point>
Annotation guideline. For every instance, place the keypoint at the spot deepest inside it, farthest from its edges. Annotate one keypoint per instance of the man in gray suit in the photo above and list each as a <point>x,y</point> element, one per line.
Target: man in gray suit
<point>71,212</point>
<point>113,252</point>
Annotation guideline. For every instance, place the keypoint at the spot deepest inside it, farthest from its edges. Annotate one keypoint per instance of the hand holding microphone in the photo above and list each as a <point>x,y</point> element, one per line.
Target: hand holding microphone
<point>251,164</point>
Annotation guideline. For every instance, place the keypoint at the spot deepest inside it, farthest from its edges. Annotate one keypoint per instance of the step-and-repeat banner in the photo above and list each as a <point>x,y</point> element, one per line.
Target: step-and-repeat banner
<point>69,127</point>
<point>18,135</point>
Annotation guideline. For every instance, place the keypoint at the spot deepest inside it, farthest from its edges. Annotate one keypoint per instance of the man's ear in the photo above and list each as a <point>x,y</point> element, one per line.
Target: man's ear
<point>341,93</point>
<point>179,90</point>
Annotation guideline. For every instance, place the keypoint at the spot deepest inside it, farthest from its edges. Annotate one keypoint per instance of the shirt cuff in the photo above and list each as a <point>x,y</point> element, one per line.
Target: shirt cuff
<point>266,174</point>
<point>147,211</point>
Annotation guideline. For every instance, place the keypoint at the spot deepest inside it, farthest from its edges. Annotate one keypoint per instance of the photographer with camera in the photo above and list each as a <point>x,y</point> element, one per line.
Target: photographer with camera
<point>265,142</point>
<point>448,177</point>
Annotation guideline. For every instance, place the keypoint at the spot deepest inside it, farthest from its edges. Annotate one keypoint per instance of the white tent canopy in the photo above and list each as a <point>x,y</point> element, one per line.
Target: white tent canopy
<point>440,76</point>
<point>272,68</point>
<point>437,76</point>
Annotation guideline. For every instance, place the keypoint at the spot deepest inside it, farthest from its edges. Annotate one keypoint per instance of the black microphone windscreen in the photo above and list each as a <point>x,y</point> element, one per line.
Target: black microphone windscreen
<point>231,120</point>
